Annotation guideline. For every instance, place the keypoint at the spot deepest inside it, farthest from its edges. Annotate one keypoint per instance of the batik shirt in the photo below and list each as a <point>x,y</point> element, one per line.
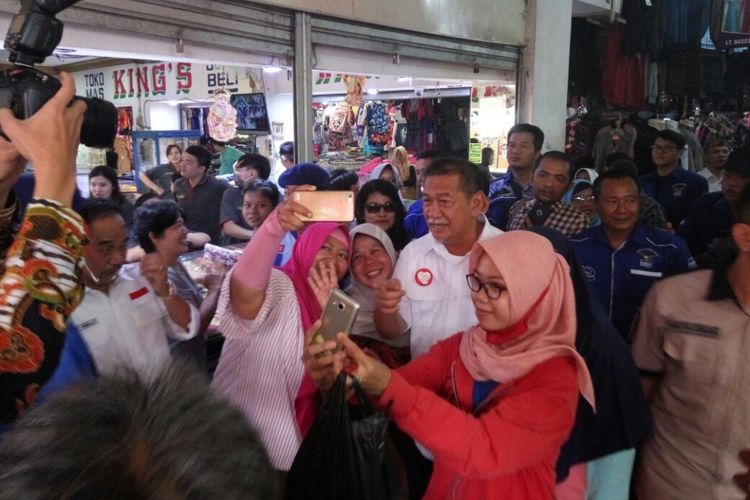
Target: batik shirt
<point>39,288</point>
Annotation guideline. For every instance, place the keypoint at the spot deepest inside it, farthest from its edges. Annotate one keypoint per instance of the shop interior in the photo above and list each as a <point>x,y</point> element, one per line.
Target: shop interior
<point>655,67</point>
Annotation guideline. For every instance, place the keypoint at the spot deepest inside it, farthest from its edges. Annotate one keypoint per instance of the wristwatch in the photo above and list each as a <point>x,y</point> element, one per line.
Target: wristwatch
<point>172,292</point>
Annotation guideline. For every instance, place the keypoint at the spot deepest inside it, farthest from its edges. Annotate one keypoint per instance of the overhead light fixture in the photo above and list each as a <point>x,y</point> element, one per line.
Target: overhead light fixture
<point>403,79</point>
<point>271,69</point>
<point>372,91</point>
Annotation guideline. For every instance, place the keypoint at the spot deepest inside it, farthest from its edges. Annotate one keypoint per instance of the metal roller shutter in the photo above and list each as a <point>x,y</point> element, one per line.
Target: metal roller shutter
<point>232,25</point>
<point>343,34</point>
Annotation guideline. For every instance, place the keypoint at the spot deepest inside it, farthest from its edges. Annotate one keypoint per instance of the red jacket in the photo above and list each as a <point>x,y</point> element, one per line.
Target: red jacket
<point>509,450</point>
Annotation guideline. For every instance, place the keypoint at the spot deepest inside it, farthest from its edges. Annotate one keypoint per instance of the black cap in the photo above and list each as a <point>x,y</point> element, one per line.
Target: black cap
<point>305,173</point>
<point>739,161</point>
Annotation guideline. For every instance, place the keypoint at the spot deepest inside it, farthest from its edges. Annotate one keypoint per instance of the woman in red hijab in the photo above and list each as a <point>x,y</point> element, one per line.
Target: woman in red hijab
<point>264,313</point>
<point>493,404</point>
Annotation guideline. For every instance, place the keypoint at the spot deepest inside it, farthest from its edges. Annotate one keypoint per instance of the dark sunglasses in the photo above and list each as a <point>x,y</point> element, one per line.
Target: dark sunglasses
<point>373,208</point>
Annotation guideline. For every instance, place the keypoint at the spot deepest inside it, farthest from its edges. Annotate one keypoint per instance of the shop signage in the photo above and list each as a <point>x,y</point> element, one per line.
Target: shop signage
<point>735,25</point>
<point>475,152</point>
<point>165,81</point>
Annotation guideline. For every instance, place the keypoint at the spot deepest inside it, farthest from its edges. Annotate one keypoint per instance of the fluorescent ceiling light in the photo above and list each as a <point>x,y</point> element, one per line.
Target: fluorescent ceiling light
<point>372,91</point>
<point>271,69</point>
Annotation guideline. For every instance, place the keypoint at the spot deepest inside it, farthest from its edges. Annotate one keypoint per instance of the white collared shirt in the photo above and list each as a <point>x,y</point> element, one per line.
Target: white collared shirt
<point>438,300</point>
<point>714,181</point>
<point>129,327</point>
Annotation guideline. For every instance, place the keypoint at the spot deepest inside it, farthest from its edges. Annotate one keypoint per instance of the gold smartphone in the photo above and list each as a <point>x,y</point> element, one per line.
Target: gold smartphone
<point>339,315</point>
<point>327,206</point>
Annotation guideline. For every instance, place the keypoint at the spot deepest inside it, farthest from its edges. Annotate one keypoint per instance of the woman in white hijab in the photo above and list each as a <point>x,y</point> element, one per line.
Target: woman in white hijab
<point>373,258</point>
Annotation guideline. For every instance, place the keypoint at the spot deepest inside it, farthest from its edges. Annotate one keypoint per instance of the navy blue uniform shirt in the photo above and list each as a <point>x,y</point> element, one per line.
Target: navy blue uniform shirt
<point>710,219</point>
<point>622,277</point>
<point>676,192</point>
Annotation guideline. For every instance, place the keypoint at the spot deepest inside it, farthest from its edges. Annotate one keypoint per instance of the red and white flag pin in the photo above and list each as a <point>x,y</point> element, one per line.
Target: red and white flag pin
<point>423,277</point>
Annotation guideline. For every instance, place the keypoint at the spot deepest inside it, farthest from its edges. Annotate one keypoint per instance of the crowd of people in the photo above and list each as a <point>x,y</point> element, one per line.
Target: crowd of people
<point>557,332</point>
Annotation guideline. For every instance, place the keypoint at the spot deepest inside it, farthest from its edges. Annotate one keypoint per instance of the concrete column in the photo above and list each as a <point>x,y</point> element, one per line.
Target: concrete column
<point>303,72</point>
<point>543,79</point>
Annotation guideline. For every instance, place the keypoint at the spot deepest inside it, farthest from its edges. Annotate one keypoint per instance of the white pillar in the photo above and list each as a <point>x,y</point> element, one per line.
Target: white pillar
<point>544,68</point>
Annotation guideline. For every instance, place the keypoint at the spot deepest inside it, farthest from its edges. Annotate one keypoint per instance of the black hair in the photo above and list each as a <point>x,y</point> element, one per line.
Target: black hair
<point>129,436</point>
<point>672,136</point>
<point>528,128</point>
<point>430,154</point>
<point>155,218</point>
<point>615,174</point>
<point>611,158</point>
<point>487,155</point>
<point>472,180</point>
<point>173,146</point>
<point>110,174</point>
<point>625,164</point>
<point>287,149</point>
<point>201,154</point>
<point>397,233</point>
<point>266,188</point>
<point>743,206</point>
<point>342,179</point>
<point>94,209</point>
<point>257,162</point>
<point>558,156</point>
<point>145,198</point>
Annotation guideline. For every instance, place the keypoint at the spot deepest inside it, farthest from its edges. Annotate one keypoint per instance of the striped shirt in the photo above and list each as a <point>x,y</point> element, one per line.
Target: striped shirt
<point>260,369</point>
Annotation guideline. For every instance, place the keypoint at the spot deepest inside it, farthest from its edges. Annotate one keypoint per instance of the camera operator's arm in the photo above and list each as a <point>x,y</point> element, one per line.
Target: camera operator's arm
<point>42,281</point>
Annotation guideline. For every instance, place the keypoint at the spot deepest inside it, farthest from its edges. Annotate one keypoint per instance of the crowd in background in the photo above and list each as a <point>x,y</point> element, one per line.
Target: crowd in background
<point>529,335</point>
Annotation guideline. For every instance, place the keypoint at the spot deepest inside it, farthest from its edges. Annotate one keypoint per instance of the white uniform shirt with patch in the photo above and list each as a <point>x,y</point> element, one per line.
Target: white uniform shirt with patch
<point>438,300</point>
<point>129,327</point>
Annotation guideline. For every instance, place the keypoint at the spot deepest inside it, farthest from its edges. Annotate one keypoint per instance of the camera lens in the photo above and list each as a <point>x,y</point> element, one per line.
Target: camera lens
<point>340,306</point>
<point>99,123</point>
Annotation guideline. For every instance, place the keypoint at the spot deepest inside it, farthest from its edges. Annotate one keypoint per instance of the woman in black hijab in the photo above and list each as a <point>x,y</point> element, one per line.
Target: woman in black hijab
<point>604,441</point>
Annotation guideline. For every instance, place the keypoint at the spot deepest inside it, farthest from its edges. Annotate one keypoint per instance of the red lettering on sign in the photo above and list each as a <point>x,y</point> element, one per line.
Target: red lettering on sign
<point>159,80</point>
<point>142,78</point>
<point>184,78</point>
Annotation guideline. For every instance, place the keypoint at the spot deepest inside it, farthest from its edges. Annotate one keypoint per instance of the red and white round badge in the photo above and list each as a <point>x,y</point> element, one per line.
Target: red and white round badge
<point>423,277</point>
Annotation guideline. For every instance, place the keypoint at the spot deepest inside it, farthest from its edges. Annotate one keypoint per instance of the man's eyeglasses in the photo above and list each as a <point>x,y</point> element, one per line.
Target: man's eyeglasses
<point>374,208</point>
<point>493,290</point>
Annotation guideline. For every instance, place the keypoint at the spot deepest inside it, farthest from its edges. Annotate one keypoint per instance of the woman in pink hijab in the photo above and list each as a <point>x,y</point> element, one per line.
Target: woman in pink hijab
<point>493,404</point>
<point>264,313</point>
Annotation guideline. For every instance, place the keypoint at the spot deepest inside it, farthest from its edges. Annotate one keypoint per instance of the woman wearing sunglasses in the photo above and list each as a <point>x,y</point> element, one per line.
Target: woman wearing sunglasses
<point>493,404</point>
<point>378,203</point>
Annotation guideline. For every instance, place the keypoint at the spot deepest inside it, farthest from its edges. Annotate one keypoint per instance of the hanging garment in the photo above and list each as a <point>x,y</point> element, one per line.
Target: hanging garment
<point>622,75</point>
<point>613,139</point>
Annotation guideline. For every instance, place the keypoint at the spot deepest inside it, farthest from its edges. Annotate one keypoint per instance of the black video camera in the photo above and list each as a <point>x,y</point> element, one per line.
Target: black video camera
<point>33,34</point>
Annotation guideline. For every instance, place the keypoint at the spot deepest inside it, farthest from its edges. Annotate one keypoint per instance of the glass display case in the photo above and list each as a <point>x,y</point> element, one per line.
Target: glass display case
<point>150,148</point>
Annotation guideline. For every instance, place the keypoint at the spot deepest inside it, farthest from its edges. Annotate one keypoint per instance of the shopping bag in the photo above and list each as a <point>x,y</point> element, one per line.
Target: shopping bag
<point>342,456</point>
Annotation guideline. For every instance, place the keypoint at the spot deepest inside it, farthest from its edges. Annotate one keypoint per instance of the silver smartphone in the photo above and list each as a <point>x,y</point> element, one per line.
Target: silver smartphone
<point>339,315</point>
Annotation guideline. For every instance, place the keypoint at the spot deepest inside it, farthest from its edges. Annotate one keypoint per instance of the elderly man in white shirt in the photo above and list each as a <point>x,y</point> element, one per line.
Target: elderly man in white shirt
<point>428,292</point>
<point>128,312</point>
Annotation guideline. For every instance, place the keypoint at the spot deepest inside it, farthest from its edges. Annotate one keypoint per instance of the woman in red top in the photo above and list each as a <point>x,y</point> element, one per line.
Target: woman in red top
<point>493,404</point>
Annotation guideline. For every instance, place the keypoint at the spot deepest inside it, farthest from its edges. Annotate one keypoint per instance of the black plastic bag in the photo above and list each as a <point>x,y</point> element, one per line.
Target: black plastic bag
<point>342,456</point>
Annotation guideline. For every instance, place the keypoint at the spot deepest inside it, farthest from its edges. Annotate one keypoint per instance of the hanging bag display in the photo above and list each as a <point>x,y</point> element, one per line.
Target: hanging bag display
<point>377,124</point>
<point>342,456</point>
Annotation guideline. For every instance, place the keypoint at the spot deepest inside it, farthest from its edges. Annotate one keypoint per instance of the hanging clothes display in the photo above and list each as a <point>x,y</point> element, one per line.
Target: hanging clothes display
<point>623,76</point>
<point>617,137</point>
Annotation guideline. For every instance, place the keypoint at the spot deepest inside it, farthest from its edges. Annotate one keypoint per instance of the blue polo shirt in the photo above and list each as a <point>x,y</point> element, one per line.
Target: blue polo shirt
<point>414,222</point>
<point>507,186</point>
<point>622,277</point>
<point>709,219</point>
<point>676,192</point>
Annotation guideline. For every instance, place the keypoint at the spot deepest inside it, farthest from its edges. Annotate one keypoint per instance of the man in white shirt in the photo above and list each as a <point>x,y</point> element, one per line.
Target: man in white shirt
<point>128,311</point>
<point>428,291</point>
<point>716,155</point>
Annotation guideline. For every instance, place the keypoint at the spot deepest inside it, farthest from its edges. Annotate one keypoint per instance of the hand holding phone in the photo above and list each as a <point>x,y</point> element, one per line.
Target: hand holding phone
<point>539,213</point>
<point>326,206</point>
<point>338,316</point>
